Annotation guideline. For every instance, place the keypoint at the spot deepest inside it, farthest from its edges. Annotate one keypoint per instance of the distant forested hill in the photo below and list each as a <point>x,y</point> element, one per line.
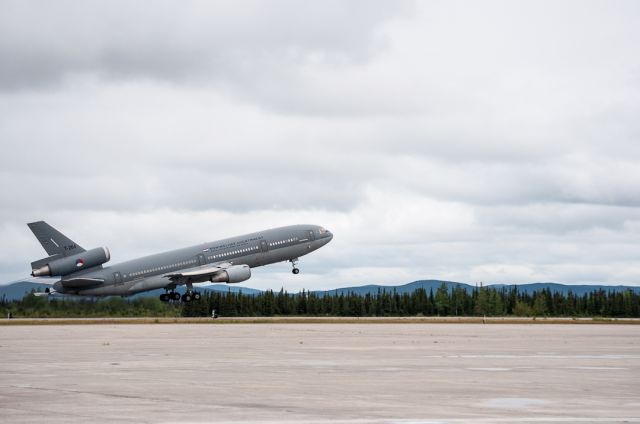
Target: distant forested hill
<point>17,290</point>
<point>433,285</point>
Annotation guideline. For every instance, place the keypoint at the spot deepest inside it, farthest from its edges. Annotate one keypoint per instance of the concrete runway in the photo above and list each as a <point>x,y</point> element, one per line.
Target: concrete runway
<point>317,373</point>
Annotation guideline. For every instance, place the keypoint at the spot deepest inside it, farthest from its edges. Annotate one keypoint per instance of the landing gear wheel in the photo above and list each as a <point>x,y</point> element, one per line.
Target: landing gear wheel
<point>196,296</point>
<point>164,297</point>
<point>175,296</point>
<point>186,298</point>
<point>295,270</point>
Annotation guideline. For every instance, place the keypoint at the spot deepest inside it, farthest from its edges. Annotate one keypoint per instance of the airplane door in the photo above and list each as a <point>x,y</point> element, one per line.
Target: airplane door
<point>117,278</point>
<point>201,259</point>
<point>312,235</point>
<point>261,259</point>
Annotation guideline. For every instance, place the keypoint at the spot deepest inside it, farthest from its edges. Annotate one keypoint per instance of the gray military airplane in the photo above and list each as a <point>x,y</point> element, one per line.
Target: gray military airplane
<point>224,261</point>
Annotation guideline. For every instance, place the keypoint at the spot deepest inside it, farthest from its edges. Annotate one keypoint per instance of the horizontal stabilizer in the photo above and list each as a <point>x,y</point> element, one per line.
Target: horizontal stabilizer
<point>56,294</point>
<point>81,283</point>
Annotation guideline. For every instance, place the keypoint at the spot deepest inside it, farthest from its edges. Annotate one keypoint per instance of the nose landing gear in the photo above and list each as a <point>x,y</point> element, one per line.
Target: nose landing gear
<point>295,270</point>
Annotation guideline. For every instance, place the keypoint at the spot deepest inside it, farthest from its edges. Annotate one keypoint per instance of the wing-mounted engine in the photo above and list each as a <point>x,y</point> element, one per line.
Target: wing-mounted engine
<point>232,274</point>
<point>58,265</point>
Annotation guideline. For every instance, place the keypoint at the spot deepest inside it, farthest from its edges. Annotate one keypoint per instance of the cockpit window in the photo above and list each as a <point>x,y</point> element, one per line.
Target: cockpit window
<point>323,230</point>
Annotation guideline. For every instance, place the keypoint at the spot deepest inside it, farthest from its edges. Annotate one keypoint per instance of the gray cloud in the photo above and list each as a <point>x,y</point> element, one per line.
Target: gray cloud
<point>477,142</point>
<point>216,43</point>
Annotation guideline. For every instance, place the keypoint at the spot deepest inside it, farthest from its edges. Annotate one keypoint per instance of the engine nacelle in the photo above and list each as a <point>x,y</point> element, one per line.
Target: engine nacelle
<point>233,274</point>
<point>70,264</point>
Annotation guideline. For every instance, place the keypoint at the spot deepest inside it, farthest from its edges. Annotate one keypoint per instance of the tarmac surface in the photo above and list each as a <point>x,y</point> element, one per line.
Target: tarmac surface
<point>317,373</point>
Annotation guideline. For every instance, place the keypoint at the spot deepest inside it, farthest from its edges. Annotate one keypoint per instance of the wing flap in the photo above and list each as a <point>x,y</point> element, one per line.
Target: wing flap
<point>199,274</point>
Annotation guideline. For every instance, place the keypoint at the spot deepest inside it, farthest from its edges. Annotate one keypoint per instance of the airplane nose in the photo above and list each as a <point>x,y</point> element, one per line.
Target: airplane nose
<point>325,235</point>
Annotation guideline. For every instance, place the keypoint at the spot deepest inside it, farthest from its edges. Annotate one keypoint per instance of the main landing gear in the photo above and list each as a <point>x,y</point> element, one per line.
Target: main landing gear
<point>295,270</point>
<point>170,295</point>
<point>191,295</point>
<point>174,295</point>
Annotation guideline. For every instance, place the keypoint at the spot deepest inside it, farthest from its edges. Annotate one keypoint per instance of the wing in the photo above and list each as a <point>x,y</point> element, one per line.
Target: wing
<point>198,274</point>
<point>218,273</point>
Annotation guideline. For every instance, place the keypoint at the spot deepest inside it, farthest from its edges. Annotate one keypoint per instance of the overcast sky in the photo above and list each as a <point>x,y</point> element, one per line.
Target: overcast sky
<point>467,141</point>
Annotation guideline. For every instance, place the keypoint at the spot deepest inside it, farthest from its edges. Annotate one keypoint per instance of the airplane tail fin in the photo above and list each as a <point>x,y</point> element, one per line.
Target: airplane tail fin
<point>54,242</point>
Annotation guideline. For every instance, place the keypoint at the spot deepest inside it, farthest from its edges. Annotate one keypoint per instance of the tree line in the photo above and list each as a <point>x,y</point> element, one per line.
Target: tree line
<point>445,301</point>
<point>457,301</point>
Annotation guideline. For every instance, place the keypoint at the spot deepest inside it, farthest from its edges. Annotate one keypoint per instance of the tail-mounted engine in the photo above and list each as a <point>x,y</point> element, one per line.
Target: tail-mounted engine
<point>58,265</point>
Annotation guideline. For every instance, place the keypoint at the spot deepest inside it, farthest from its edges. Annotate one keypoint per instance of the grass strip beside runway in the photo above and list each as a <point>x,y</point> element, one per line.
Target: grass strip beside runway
<point>319,320</point>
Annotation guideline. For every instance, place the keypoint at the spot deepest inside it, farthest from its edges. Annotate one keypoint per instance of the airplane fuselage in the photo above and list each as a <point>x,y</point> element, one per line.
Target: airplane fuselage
<point>150,272</point>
